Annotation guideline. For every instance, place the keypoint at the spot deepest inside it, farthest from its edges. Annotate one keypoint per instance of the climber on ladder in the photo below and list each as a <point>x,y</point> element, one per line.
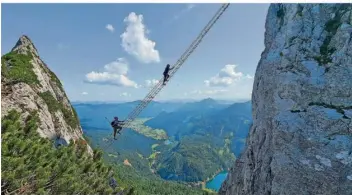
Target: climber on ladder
<point>116,124</point>
<point>152,93</point>
<point>166,73</point>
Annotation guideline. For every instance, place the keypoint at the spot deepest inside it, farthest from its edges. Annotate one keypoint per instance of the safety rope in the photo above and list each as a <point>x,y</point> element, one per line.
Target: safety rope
<point>159,86</point>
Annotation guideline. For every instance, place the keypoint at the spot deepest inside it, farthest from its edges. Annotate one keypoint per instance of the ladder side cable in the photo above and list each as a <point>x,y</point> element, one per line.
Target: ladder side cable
<point>157,88</point>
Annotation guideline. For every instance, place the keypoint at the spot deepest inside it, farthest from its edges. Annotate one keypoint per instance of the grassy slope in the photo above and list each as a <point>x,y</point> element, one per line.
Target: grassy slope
<point>31,164</point>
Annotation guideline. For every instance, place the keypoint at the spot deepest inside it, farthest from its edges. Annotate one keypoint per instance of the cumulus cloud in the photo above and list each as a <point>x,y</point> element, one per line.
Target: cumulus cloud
<point>110,27</point>
<point>106,78</point>
<point>84,93</point>
<point>151,83</point>
<point>136,43</point>
<point>120,66</point>
<point>226,77</point>
<point>115,74</point>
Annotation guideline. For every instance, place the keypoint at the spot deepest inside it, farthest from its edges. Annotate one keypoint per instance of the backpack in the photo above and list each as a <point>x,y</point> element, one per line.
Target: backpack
<point>114,123</point>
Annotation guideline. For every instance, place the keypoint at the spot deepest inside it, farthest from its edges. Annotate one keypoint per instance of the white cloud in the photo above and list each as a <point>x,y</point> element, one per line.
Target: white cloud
<point>135,42</point>
<point>106,78</point>
<point>218,82</point>
<point>84,93</point>
<point>125,94</point>
<point>229,71</point>
<point>120,66</point>
<point>110,27</point>
<point>115,74</point>
<point>226,77</point>
<point>151,83</point>
<point>188,8</point>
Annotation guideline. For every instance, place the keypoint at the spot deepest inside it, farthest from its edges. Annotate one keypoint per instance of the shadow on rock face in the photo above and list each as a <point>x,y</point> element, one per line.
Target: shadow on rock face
<point>60,142</point>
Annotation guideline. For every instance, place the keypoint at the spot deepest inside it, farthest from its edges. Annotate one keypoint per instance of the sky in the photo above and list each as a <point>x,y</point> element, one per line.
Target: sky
<point>116,52</point>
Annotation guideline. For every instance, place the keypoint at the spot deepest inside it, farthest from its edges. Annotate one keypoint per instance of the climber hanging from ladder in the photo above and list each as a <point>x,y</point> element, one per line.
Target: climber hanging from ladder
<point>157,88</point>
<point>117,126</point>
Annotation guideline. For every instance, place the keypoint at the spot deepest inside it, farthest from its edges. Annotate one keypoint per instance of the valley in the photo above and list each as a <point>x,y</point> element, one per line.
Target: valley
<point>189,142</point>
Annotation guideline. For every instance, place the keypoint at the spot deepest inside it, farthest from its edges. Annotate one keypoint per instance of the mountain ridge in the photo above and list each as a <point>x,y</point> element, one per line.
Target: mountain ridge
<point>28,85</point>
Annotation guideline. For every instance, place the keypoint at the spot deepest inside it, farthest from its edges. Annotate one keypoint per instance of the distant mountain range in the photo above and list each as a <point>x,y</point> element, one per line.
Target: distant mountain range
<point>204,117</point>
<point>208,131</point>
<point>160,101</point>
<point>93,115</point>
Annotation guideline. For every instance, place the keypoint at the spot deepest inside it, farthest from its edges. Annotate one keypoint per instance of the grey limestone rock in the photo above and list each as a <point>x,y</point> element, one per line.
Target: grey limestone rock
<point>26,98</point>
<point>301,139</point>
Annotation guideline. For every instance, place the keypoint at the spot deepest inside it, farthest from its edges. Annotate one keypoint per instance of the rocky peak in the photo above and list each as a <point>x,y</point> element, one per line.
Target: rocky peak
<point>25,46</point>
<point>28,86</point>
<point>301,138</point>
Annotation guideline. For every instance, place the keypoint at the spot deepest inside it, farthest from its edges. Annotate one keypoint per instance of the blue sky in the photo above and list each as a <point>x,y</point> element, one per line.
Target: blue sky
<point>113,52</point>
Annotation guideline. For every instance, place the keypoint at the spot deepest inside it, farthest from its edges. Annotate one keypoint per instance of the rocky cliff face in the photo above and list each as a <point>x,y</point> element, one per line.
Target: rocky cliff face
<point>28,85</point>
<point>301,138</point>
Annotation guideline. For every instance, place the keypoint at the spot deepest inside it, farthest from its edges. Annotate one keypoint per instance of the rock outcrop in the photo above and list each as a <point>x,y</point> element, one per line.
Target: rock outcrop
<point>301,138</point>
<point>28,85</point>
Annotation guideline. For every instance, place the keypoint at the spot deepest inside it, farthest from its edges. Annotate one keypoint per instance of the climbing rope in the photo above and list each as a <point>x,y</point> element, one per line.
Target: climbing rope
<point>159,86</point>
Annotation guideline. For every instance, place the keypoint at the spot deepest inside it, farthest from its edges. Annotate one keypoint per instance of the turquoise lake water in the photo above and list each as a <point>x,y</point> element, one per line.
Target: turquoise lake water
<point>216,182</point>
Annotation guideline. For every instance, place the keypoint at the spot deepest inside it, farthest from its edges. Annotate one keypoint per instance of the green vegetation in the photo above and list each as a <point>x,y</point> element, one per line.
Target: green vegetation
<point>154,146</point>
<point>88,139</point>
<point>53,78</point>
<point>138,125</point>
<point>31,165</point>
<point>56,80</point>
<point>112,155</point>
<point>154,185</point>
<point>53,105</point>
<point>299,10</point>
<point>194,159</point>
<point>280,14</point>
<point>140,155</point>
<point>331,27</point>
<point>296,111</point>
<point>153,155</point>
<point>209,191</point>
<point>17,68</point>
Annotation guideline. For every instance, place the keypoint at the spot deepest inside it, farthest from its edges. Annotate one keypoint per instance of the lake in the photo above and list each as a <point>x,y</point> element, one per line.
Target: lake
<point>216,182</point>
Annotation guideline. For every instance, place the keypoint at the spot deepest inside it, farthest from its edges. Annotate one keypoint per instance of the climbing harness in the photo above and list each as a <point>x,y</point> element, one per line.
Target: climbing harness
<point>159,86</point>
